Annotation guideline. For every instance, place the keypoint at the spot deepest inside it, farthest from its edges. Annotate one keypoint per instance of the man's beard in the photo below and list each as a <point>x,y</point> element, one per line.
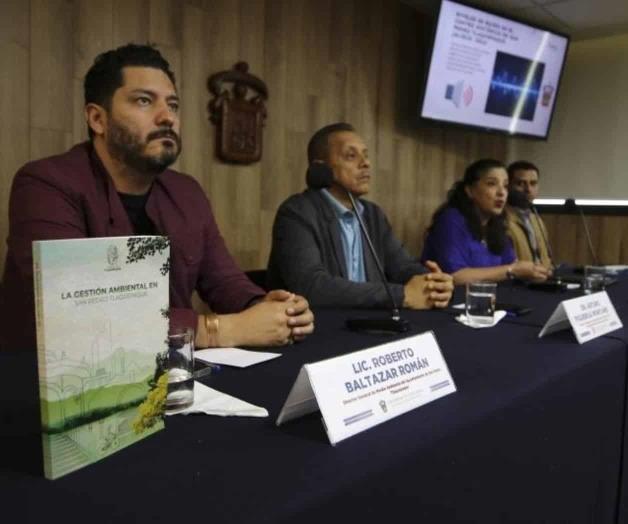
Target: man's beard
<point>127,147</point>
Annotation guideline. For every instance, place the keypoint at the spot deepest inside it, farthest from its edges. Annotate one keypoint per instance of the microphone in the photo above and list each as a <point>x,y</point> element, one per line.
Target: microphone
<point>586,230</point>
<point>319,176</point>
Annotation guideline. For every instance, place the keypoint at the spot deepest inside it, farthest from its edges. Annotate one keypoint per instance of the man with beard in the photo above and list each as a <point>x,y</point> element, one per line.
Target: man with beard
<point>119,184</point>
<point>525,227</point>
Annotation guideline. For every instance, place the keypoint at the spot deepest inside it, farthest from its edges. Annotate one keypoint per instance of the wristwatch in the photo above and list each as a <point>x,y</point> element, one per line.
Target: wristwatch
<point>509,273</point>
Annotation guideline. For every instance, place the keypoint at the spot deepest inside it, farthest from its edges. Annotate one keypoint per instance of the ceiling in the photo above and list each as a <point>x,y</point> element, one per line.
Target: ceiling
<point>579,18</point>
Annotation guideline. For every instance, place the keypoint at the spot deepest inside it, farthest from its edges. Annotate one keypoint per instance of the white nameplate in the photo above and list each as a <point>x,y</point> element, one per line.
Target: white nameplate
<point>590,316</point>
<point>357,391</point>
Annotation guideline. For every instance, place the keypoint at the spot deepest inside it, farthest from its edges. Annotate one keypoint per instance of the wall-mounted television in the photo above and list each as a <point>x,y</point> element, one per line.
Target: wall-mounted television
<point>492,72</point>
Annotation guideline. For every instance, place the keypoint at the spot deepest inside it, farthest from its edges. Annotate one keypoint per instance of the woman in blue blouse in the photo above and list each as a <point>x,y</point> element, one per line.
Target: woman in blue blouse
<point>468,237</point>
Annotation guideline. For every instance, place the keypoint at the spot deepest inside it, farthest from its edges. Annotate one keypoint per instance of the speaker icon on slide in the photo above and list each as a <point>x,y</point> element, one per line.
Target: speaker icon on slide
<point>457,93</point>
<point>546,96</point>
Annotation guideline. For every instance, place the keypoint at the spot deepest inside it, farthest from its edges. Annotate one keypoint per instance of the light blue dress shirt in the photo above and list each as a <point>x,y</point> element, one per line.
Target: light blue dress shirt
<point>350,236</point>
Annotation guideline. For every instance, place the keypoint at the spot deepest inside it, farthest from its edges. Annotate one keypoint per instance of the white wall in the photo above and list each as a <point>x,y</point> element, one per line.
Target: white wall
<point>586,155</point>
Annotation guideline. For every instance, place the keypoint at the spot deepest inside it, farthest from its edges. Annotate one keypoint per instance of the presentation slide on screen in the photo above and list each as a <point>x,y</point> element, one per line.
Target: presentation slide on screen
<point>492,72</point>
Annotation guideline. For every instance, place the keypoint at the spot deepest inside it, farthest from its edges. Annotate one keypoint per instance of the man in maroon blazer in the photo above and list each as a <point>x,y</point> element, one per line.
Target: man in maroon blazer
<point>119,184</point>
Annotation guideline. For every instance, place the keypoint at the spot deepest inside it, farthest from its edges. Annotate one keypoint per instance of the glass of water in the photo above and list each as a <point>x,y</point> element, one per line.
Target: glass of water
<point>594,279</point>
<point>480,303</point>
<point>180,369</point>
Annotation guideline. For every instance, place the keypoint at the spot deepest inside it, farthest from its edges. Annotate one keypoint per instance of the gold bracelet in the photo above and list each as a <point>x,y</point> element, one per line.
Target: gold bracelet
<point>212,324</point>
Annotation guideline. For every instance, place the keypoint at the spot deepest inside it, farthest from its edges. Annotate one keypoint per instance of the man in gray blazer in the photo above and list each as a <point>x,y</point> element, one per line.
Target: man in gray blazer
<point>318,249</point>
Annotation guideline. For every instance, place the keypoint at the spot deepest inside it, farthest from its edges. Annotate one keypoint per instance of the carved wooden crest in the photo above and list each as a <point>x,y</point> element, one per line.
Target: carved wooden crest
<point>239,118</point>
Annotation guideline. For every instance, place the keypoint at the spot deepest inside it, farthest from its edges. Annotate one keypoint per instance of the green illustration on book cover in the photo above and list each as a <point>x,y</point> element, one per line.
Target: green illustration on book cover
<point>101,334</point>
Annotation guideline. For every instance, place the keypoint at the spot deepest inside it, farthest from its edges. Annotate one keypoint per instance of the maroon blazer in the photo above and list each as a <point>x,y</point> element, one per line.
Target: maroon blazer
<point>72,196</point>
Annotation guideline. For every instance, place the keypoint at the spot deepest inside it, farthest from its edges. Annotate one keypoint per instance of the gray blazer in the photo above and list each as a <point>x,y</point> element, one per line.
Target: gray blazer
<point>307,256</point>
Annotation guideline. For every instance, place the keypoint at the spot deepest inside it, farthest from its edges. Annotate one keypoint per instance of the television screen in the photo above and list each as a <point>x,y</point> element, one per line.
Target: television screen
<point>493,72</point>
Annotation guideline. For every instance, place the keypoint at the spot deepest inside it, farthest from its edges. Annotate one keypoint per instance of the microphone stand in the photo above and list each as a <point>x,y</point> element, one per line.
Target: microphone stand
<point>557,278</point>
<point>394,324</point>
<point>589,242</point>
<point>545,239</point>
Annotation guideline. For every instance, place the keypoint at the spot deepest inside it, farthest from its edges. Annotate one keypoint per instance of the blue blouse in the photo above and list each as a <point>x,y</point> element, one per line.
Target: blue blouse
<point>451,244</point>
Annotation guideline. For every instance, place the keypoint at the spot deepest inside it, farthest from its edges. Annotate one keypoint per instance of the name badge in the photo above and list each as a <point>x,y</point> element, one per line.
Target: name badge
<point>590,316</point>
<point>359,390</point>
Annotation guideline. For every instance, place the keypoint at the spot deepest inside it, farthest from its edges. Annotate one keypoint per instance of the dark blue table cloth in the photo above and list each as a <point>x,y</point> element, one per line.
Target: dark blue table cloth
<point>535,433</point>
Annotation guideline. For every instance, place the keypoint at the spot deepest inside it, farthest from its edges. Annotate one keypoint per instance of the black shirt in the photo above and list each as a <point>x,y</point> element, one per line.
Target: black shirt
<point>135,206</point>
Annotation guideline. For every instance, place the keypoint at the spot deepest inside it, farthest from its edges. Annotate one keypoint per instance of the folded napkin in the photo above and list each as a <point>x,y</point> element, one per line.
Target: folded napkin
<point>237,357</point>
<point>213,402</point>
<point>496,318</point>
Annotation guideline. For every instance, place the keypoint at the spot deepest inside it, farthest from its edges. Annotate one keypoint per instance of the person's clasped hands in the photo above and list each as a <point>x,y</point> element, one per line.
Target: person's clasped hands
<point>277,319</point>
<point>433,289</point>
<point>300,319</point>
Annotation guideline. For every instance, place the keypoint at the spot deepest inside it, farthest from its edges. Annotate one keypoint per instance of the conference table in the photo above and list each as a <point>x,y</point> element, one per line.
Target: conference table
<point>534,433</point>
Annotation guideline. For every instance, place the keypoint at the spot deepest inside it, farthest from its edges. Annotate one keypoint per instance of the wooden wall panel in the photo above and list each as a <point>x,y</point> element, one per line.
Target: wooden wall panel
<point>622,236</point>
<point>130,22</point>
<point>51,87</point>
<point>93,34</point>
<point>14,101</point>
<point>274,74</point>
<point>567,236</point>
<point>165,23</point>
<point>221,44</point>
<point>244,216</point>
<point>51,65</point>
<point>93,30</point>
<point>47,142</point>
<point>360,61</point>
<point>194,125</point>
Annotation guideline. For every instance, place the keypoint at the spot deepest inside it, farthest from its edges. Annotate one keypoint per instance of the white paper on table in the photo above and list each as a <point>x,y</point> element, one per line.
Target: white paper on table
<point>499,314</point>
<point>239,358</point>
<point>213,402</point>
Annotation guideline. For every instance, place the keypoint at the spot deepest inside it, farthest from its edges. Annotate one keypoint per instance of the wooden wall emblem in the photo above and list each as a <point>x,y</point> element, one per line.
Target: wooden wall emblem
<point>239,118</point>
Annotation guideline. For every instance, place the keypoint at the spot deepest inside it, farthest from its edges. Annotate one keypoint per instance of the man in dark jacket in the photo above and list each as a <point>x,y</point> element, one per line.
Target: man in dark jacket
<point>318,249</point>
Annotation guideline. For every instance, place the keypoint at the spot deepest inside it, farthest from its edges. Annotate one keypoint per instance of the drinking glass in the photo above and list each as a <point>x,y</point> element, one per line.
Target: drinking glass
<point>594,279</point>
<point>480,303</point>
<point>180,369</point>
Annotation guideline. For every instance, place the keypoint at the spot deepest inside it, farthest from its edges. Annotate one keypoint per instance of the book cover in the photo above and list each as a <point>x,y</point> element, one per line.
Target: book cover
<point>101,310</point>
